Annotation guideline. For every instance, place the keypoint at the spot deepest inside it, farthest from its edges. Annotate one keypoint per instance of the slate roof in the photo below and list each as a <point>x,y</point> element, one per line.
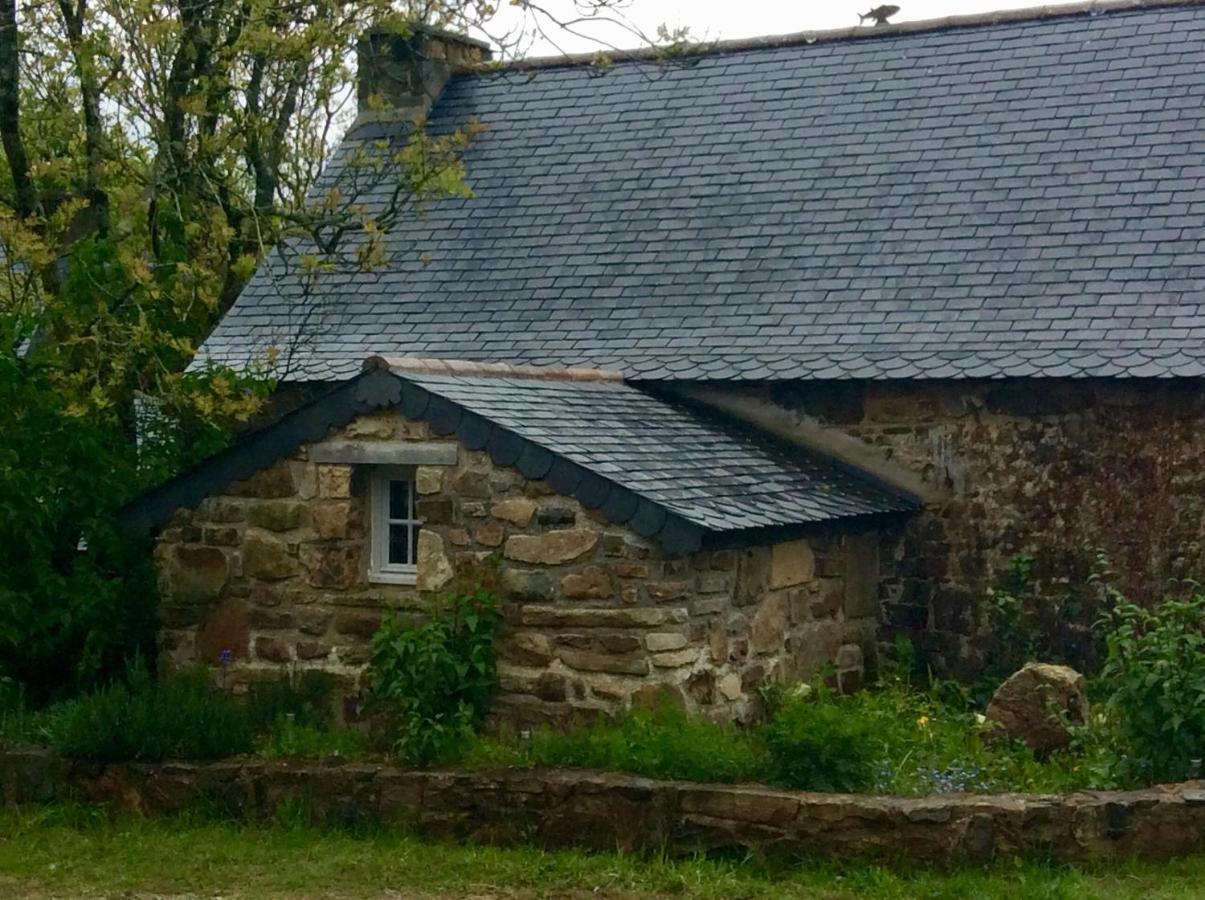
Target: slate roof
<point>626,445</point>
<point>1024,198</point>
<point>669,471</point>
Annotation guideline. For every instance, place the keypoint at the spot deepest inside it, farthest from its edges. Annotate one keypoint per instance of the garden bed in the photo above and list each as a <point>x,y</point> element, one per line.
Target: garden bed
<point>557,808</point>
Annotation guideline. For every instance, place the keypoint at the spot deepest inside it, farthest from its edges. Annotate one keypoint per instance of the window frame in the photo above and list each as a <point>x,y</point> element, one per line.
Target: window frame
<point>380,570</point>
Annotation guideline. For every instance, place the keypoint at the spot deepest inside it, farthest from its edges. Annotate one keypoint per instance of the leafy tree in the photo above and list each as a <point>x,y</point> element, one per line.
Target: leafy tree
<point>153,150</point>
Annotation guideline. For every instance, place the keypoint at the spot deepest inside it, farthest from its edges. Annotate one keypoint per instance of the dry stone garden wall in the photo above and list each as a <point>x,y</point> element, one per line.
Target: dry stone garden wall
<point>622,812</point>
<point>272,576</point>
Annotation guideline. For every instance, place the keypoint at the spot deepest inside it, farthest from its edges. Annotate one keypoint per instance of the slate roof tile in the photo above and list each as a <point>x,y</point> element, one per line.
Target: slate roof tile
<point>1009,199</point>
<point>710,472</point>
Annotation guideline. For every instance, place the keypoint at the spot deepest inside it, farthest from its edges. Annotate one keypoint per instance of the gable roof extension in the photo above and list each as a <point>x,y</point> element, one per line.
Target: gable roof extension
<point>1024,197</point>
<point>666,470</point>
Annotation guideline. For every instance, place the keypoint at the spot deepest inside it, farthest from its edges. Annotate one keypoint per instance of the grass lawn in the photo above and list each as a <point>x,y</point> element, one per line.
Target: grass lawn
<point>73,852</point>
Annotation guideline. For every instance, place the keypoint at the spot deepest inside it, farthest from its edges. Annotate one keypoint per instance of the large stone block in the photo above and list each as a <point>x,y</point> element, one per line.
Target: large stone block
<point>729,686</point>
<point>527,585</point>
<point>434,570</point>
<point>489,534</point>
<point>591,583</point>
<point>428,480</point>
<point>769,627</point>
<point>269,649</point>
<point>222,510</point>
<point>675,659</point>
<point>196,574</point>
<point>589,661</point>
<point>334,482</point>
<point>472,484</point>
<point>225,632</point>
<point>268,558</point>
<point>435,510</point>
<point>1037,703</point>
<point>753,576</point>
<point>791,563</point>
<point>525,648</point>
<point>662,591</point>
<point>372,428</point>
<point>552,548</point>
<point>276,515</point>
<point>518,511</point>
<point>274,481</point>
<point>331,565</point>
<point>334,519</point>
<point>570,617</point>
<point>363,624</point>
<point>660,641</point>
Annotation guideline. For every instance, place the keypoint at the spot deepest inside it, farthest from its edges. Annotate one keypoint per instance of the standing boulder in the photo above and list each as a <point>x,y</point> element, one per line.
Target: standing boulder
<point>1037,703</point>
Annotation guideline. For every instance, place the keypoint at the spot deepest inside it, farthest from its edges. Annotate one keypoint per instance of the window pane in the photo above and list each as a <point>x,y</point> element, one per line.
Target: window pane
<point>399,500</point>
<point>414,543</point>
<point>398,546</point>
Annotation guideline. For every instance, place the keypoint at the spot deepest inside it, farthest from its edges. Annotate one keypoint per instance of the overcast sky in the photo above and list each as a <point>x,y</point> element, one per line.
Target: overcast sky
<point>723,19</point>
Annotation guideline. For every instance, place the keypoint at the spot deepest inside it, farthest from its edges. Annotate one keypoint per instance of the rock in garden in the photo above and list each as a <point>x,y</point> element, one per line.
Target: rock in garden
<point>1037,703</point>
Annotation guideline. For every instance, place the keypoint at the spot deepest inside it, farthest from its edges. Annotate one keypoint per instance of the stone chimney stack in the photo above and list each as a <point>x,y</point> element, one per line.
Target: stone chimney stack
<point>402,74</point>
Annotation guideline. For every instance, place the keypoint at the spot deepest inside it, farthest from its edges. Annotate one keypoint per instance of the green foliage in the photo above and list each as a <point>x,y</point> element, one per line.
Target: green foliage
<point>148,205</point>
<point>85,851</point>
<point>18,724</point>
<point>1155,669</point>
<point>816,741</point>
<point>665,743</point>
<point>180,716</point>
<point>891,739</point>
<point>75,600</point>
<point>290,740</point>
<point>1013,626</point>
<point>303,699</point>
<point>435,680</point>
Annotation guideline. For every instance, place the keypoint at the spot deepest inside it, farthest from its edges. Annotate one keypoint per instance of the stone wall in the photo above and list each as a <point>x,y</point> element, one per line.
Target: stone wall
<point>626,813</point>
<point>1049,469</point>
<point>271,576</point>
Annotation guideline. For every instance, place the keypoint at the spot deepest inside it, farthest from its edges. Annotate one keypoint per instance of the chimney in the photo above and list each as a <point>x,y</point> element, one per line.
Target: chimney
<point>401,73</point>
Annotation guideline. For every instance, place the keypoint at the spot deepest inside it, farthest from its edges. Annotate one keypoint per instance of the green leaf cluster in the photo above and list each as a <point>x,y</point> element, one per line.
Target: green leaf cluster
<point>433,681</point>
<point>1155,673</point>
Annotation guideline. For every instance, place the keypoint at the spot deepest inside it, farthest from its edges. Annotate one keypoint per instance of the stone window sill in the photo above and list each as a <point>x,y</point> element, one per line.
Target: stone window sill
<point>393,577</point>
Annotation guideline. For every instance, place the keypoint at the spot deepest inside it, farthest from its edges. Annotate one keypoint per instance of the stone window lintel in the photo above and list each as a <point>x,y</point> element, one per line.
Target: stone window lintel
<point>386,453</point>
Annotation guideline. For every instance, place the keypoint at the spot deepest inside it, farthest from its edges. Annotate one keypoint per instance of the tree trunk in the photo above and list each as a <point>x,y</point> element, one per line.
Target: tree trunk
<point>25,198</point>
<point>94,130</point>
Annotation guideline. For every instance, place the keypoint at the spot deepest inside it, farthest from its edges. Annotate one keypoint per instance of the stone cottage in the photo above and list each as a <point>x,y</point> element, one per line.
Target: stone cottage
<point>736,364</point>
<point>643,548</point>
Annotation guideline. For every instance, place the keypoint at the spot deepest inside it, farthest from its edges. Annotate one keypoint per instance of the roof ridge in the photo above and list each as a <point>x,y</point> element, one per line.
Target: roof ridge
<point>855,32</point>
<point>470,368</point>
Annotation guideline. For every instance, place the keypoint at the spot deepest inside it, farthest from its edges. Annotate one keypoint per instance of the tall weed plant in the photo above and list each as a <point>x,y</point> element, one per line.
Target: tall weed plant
<point>1155,674</point>
<point>433,681</point>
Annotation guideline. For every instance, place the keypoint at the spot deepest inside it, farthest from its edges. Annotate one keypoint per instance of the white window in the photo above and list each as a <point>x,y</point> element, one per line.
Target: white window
<point>394,526</point>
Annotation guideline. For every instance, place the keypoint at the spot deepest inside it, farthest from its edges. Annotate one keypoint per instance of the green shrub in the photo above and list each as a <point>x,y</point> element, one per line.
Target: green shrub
<point>435,680</point>
<point>181,716</point>
<point>666,743</point>
<point>816,742</point>
<point>1155,670</point>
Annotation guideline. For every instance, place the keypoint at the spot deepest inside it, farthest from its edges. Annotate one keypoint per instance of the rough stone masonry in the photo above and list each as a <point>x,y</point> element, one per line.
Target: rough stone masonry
<point>609,812</point>
<point>271,575</point>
